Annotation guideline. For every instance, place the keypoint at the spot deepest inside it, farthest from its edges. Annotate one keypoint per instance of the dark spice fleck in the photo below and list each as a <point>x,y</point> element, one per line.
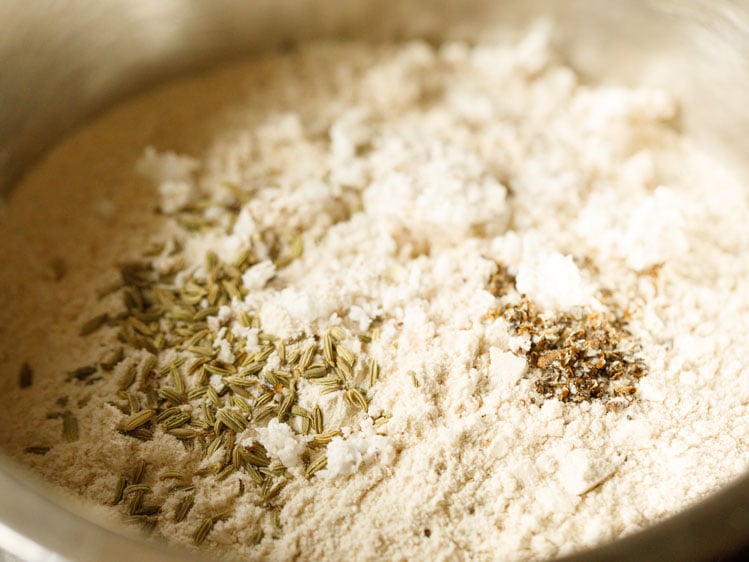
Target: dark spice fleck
<point>59,268</point>
<point>501,282</point>
<point>25,376</point>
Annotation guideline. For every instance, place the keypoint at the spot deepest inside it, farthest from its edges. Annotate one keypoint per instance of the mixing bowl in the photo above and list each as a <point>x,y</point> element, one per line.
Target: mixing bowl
<point>61,62</point>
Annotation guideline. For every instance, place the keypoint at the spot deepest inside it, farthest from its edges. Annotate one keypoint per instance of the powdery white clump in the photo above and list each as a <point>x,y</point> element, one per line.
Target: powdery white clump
<point>552,281</point>
<point>345,456</point>
<point>165,166</point>
<point>581,470</point>
<point>290,311</point>
<point>282,442</point>
<point>172,173</point>
<point>258,275</point>
<point>436,192</point>
<point>656,231</point>
<point>642,233</point>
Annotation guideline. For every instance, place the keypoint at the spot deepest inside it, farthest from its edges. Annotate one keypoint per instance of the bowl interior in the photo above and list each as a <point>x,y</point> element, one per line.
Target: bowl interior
<point>65,62</point>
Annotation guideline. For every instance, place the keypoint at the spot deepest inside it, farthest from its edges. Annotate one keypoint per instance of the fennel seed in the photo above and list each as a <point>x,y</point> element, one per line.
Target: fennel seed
<point>201,533</point>
<point>318,464</point>
<point>93,324</point>
<point>374,372</point>
<point>69,427</point>
<point>183,508</point>
<point>138,419</point>
<point>119,491</point>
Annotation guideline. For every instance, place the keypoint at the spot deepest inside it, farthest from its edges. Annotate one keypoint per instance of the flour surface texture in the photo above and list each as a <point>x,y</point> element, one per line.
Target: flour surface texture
<point>341,254</point>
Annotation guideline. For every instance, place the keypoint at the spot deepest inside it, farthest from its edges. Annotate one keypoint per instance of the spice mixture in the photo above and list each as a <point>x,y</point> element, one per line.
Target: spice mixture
<point>380,302</point>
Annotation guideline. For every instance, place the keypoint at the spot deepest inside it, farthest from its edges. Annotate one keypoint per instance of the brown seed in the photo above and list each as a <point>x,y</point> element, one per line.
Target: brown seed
<point>213,396</point>
<point>231,290</point>
<point>285,405</point>
<point>314,372</point>
<point>328,350</point>
<point>374,372</point>
<point>138,419</point>
<point>83,373</point>
<point>346,355</point>
<point>201,533</point>
<point>255,474</point>
<point>133,488</point>
<point>232,420</point>
<point>264,399</point>
<point>195,365</point>
<point>256,456</point>
<point>177,381</point>
<point>307,355</point>
<point>94,324</point>
<point>357,398</point>
<point>253,368</point>
<point>338,333</point>
<point>230,439</point>
<point>69,427</point>
<point>300,412</point>
<point>119,491</point>
<point>183,433</point>
<point>139,471</point>
<point>148,510</point>
<point>152,398</point>
<point>326,437</point>
<point>208,414</point>
<point>128,378</point>
<point>135,503</point>
<point>183,508</point>
<point>260,414</point>
<point>168,413</point>
<point>317,419</point>
<point>133,402</point>
<point>212,468</point>
<point>343,370</point>
<point>172,395</point>
<point>196,392</point>
<point>173,474</point>
<point>281,351</point>
<point>140,326</point>
<point>275,517</point>
<point>225,472</point>
<point>213,446</point>
<point>176,420</point>
<point>148,365</point>
<point>241,404</point>
<point>141,434</point>
<point>273,492</point>
<point>318,464</point>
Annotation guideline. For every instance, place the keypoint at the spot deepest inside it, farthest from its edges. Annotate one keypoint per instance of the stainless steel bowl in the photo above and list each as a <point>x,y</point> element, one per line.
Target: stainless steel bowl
<point>61,62</point>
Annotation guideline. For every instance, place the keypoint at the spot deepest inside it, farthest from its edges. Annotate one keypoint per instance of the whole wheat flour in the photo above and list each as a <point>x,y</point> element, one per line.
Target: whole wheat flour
<point>380,302</point>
